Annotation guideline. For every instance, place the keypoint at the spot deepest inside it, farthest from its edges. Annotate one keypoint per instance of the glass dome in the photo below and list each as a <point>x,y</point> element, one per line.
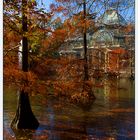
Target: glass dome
<point>103,36</point>
<point>112,17</point>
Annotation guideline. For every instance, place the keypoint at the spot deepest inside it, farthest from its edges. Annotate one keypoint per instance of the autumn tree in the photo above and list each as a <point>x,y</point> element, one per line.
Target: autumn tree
<point>79,14</point>
<point>24,118</point>
<point>20,25</point>
<point>78,20</point>
<point>41,35</point>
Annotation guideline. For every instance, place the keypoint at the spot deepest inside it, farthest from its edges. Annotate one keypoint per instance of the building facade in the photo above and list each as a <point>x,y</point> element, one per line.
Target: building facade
<point>108,47</point>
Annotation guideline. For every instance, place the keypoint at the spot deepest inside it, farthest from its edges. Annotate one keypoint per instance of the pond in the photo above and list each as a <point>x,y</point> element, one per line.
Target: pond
<point>110,117</point>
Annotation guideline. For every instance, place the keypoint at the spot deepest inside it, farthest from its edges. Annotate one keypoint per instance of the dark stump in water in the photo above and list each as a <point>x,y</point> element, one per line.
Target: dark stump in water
<point>24,118</point>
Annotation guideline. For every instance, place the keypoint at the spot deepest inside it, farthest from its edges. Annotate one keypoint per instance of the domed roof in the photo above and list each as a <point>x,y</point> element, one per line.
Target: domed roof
<point>103,36</point>
<point>112,17</point>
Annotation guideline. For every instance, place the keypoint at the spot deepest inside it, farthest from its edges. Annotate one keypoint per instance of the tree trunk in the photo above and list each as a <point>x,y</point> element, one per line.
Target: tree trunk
<point>24,118</point>
<point>86,77</point>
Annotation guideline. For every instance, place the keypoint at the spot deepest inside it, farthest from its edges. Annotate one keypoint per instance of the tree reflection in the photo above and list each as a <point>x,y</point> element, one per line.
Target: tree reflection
<point>24,134</point>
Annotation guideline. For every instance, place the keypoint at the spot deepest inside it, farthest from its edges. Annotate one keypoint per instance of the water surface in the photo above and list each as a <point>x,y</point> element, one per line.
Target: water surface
<point>110,117</point>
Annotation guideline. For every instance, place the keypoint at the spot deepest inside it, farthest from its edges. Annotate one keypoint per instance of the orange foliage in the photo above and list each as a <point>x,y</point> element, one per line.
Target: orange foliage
<point>129,28</point>
<point>61,76</point>
<point>59,9</point>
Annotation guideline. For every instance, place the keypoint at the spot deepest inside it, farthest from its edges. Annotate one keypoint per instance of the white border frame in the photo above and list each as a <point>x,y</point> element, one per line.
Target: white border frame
<point>137,69</point>
<point>1,70</point>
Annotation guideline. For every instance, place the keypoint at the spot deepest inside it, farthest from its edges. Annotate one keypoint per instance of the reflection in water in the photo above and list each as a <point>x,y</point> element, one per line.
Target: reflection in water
<point>23,134</point>
<point>111,115</point>
<point>51,120</point>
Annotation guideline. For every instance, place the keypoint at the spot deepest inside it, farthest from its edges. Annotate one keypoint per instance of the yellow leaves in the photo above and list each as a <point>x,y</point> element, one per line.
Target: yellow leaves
<point>32,0</point>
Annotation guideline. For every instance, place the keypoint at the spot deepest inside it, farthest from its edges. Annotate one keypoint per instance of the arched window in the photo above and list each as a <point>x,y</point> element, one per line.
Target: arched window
<point>102,37</point>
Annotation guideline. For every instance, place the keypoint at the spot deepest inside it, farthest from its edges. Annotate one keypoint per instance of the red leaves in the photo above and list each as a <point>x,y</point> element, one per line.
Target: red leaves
<point>119,51</point>
<point>129,28</point>
<point>59,9</point>
<point>55,8</point>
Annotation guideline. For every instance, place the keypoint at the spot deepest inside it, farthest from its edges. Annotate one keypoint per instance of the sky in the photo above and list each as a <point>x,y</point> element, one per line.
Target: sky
<point>128,13</point>
<point>46,3</point>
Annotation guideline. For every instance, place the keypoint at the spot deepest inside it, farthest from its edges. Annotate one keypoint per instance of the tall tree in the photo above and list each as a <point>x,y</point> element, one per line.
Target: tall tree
<point>32,25</point>
<point>85,43</point>
<point>81,19</point>
<point>24,118</point>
